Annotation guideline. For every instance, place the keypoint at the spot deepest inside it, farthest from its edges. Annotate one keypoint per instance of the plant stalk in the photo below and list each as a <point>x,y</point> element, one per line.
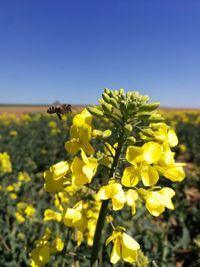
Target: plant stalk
<point>103,210</point>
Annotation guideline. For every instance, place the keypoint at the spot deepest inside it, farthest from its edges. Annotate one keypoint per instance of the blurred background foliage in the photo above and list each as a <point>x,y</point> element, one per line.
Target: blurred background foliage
<point>36,141</point>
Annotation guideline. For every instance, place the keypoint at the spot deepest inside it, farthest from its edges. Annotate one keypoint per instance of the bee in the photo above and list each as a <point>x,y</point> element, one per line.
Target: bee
<point>60,110</point>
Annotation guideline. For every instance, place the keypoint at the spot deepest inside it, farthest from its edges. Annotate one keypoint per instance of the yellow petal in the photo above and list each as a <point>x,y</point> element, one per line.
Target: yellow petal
<point>152,152</point>
<point>115,254</point>
<point>172,138</point>
<point>154,203</point>
<point>174,173</point>
<point>114,235</point>
<point>44,254</point>
<point>72,146</point>
<point>88,171</point>
<point>102,193</point>
<point>131,197</point>
<point>129,242</point>
<point>86,146</point>
<point>149,176</point>
<point>134,154</point>
<point>131,176</point>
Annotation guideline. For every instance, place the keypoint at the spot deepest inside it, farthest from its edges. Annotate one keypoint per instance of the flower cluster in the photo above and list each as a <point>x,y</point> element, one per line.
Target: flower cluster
<point>127,167</point>
<point>45,248</point>
<point>5,163</point>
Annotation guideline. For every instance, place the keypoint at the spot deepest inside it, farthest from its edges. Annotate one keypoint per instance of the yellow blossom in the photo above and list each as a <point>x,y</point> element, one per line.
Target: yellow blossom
<point>131,197</point>
<point>19,217</point>
<point>58,244</point>
<point>52,215</point>
<point>5,163</point>
<point>115,192</point>
<point>169,168</point>
<point>13,196</point>
<point>124,247</point>
<point>75,217</point>
<point>141,158</point>
<point>157,201</point>
<point>161,133</point>
<point>29,211</point>
<point>83,170</point>
<point>24,176</point>
<point>81,134</point>
<point>55,177</point>
<point>40,256</point>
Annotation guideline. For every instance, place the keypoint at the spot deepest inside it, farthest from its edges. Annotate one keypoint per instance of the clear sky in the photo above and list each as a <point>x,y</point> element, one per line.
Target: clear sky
<point>69,50</point>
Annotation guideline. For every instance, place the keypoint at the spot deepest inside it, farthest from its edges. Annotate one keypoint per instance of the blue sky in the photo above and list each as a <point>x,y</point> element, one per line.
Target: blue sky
<point>69,50</point>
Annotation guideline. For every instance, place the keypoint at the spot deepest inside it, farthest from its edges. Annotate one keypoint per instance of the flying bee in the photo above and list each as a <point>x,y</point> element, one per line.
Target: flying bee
<point>60,110</point>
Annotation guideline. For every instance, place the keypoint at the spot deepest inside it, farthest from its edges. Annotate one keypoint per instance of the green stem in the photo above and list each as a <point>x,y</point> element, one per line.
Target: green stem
<point>103,210</point>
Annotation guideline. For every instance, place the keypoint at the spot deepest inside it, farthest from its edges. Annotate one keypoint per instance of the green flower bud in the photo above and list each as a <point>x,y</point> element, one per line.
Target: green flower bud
<point>147,132</point>
<point>150,107</point>
<point>106,107</point>
<point>131,140</point>
<point>95,111</point>
<point>143,115</point>
<point>106,98</point>
<point>107,133</point>
<point>121,91</point>
<point>156,118</point>
<point>114,102</point>
<point>107,91</point>
<point>128,127</point>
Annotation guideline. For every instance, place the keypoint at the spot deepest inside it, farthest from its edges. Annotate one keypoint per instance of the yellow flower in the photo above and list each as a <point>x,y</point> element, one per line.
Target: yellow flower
<point>81,134</point>
<point>131,197</point>
<point>5,163</point>
<point>13,196</point>
<point>115,192</point>
<point>75,217</point>
<point>52,215</point>
<point>141,158</point>
<point>10,188</point>
<point>52,125</point>
<point>29,211</point>
<point>24,176</point>
<point>55,177</point>
<point>161,133</point>
<point>168,168</point>
<point>58,244</point>
<point>157,201</point>
<point>83,170</point>
<point>19,217</point>
<point>124,246</point>
<point>40,256</point>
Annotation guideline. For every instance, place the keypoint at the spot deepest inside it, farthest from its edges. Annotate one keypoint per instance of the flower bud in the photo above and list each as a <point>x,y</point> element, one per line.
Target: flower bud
<point>107,91</point>
<point>156,118</point>
<point>148,132</point>
<point>128,127</point>
<point>143,115</point>
<point>131,140</point>
<point>150,107</point>
<point>95,111</point>
<point>106,98</point>
<point>106,107</point>
<point>107,133</point>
